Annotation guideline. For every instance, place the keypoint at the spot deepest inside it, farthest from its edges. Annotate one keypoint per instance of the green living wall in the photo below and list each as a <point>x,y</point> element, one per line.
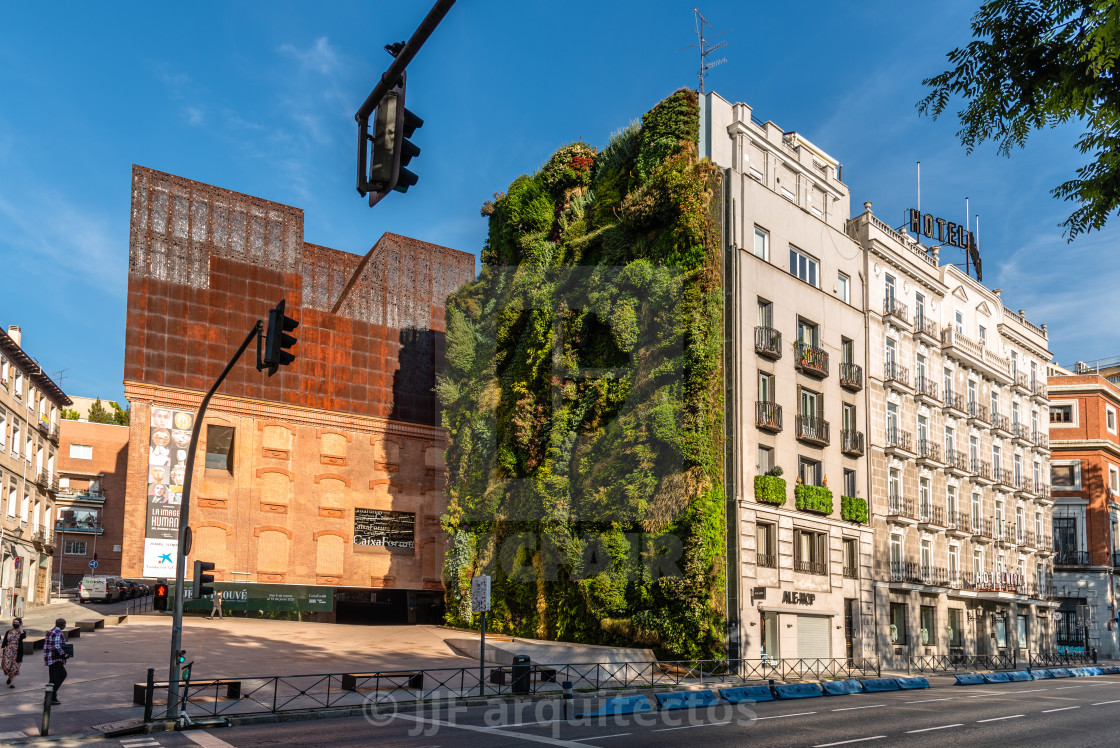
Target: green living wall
<point>584,399</point>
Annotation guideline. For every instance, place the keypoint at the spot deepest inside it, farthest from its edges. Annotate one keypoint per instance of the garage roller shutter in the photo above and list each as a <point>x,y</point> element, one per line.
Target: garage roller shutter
<point>813,640</point>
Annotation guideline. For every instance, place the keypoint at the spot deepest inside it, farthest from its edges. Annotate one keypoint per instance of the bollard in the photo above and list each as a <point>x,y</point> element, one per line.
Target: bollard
<point>149,695</point>
<point>568,696</point>
<point>48,697</point>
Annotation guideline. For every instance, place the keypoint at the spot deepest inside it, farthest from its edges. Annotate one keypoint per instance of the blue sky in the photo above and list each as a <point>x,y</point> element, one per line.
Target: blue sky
<point>259,98</point>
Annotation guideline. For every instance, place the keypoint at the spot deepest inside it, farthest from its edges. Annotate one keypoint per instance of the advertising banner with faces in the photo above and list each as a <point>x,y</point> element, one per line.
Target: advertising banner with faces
<point>170,437</point>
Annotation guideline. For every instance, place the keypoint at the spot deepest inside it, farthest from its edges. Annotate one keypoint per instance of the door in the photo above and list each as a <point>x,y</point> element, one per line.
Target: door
<point>849,626</point>
<point>813,641</point>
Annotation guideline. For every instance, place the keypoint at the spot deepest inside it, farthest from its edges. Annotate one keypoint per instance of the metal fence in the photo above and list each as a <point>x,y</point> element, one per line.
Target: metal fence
<point>1010,661</point>
<point>245,695</point>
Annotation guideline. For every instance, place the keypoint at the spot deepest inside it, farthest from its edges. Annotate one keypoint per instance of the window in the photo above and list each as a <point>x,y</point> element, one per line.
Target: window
<point>983,335</point>
<point>765,459</point>
<point>959,323</point>
<point>1038,525</point>
<point>977,561</point>
<point>851,559</point>
<point>924,506</point>
<point>889,291</point>
<point>927,558</point>
<point>954,563</point>
<point>24,507</point>
<point>848,419</point>
<point>977,514</point>
<point>1110,419</point>
<point>765,313</point>
<point>951,502</point>
<point>954,627</point>
<point>971,396</point>
<point>19,385</point>
<point>1015,413</point>
<point>895,484</point>
<point>898,623</point>
<point>920,369</point>
<point>919,310</point>
<point>81,451</point>
<point>1034,374</point>
<point>948,384</point>
<point>761,243</point>
<point>219,447</point>
<point>810,471</point>
<point>4,371</point>
<point>923,433</point>
<point>1065,535</point>
<point>811,403</point>
<point>892,420</point>
<point>1017,461</point>
<point>973,449</point>
<point>929,634</point>
<point>891,355</point>
<point>810,552</point>
<point>950,441</point>
<point>1061,414</point>
<point>3,429</point>
<point>803,266</point>
<point>850,487</point>
<point>75,547</point>
<point>847,351</point>
<point>15,437</point>
<point>12,499</point>
<point>767,548</point>
<point>1065,476</point>
<point>808,332</point>
<point>995,402</point>
<point>843,288</point>
<point>1014,363</point>
<point>1114,479</point>
<point>765,387</point>
<point>1020,523</point>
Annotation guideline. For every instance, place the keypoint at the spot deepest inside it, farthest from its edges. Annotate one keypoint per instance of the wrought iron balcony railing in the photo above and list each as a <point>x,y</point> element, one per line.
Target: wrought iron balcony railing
<point>851,572</point>
<point>897,506</point>
<point>768,416</point>
<point>957,460</point>
<point>958,521</point>
<point>851,442</point>
<point>954,401</point>
<point>768,560</point>
<point>813,430</point>
<point>1041,439</point>
<point>978,411</point>
<point>812,361</point>
<point>981,468</point>
<point>929,450</point>
<point>894,308</point>
<point>810,567</point>
<point>899,439</point>
<point>851,376</point>
<point>925,387</point>
<point>926,326</point>
<point>1071,558</point>
<point>1001,422</point>
<point>768,342</point>
<point>896,372</point>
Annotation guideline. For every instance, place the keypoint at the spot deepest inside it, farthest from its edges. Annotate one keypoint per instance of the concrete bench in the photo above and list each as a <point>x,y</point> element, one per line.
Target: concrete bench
<point>233,688</point>
<point>382,681</point>
<point>91,625</point>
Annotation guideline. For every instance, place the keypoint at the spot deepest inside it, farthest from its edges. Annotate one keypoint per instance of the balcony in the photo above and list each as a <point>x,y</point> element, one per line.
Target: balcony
<point>902,511</point>
<point>1021,434</point>
<point>1038,391</point>
<point>1071,558</point>
<point>954,405</point>
<point>978,414</point>
<point>851,572</point>
<point>982,470</point>
<point>69,526</point>
<point>961,348</point>
<point>55,433</point>
<point>811,361</point>
<point>1002,425</point>
<point>1004,532</point>
<point>768,416</point>
<point>926,329</point>
<point>851,377</point>
<point>925,389</point>
<point>1019,382</point>
<point>1025,488</point>
<point>851,442</point>
<point>931,516</point>
<point>1041,441</point>
<point>810,567</point>
<point>43,479</point>
<point>893,308</point>
<point>959,524</point>
<point>929,452</point>
<point>957,463</point>
<point>768,343</point>
<point>812,430</point>
<point>767,560</point>
<point>981,530</point>
<point>896,376</point>
<point>899,442</point>
<point>1003,477</point>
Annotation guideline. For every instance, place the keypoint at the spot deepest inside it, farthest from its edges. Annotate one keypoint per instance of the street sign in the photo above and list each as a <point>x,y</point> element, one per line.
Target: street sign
<point>93,564</point>
<point>480,594</point>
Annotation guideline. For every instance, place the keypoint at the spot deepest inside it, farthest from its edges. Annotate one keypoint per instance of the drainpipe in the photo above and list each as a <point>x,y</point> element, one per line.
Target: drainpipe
<point>863,276</point>
<point>733,572</point>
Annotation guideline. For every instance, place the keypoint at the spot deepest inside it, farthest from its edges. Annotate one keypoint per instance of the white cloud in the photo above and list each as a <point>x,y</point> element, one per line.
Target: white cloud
<point>194,116</point>
<point>320,57</point>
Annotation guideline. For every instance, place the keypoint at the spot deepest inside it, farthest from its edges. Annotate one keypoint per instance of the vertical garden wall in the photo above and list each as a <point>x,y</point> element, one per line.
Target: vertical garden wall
<point>584,399</point>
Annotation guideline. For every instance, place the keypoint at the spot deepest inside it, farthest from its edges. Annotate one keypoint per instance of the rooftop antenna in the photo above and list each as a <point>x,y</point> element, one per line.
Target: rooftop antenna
<point>58,376</point>
<point>705,46</point>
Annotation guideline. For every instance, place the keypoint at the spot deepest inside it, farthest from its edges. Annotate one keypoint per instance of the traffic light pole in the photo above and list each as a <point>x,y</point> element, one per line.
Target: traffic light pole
<point>184,525</point>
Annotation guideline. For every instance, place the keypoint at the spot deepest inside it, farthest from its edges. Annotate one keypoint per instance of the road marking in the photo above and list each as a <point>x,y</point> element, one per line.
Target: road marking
<point>604,737</point>
<point>524,724</point>
<point>845,742</point>
<point>1031,690</point>
<point>942,727</point>
<point>1066,688</point>
<point>207,740</point>
<point>997,719</point>
<point>926,701</point>
<point>851,708</point>
<point>688,727</point>
<point>1064,708</point>
<point>779,716</point>
<point>471,728</point>
<point>1102,703</point>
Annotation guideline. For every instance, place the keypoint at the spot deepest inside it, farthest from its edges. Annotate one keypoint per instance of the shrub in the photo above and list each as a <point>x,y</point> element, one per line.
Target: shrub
<point>813,498</point>
<point>770,489</point>
<point>853,509</point>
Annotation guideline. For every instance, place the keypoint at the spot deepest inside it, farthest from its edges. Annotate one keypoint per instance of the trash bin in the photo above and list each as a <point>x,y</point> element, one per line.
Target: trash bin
<point>521,672</point>
<point>1094,655</point>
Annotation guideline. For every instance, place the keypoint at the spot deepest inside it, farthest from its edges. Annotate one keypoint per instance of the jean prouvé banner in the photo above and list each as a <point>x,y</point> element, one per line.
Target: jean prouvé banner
<point>169,438</point>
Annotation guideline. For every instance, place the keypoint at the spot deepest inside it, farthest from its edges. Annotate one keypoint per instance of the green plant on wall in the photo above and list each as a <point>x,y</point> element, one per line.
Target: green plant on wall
<point>853,509</point>
<point>770,489</point>
<point>583,399</point>
<point>813,498</point>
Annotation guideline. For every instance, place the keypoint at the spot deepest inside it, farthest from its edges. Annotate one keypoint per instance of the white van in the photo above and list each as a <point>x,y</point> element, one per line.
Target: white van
<point>98,588</point>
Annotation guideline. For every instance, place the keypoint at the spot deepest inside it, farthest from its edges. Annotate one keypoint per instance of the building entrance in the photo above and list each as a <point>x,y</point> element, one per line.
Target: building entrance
<point>380,607</point>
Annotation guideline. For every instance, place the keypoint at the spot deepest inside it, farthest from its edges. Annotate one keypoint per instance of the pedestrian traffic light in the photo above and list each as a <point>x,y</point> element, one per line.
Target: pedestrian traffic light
<point>182,656</point>
<point>389,149</point>
<point>159,601</point>
<point>278,341</point>
<point>202,579</point>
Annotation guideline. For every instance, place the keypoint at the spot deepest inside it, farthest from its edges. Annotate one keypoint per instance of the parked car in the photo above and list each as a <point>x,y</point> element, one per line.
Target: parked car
<point>145,590</point>
<point>123,587</point>
<point>133,589</point>
<point>101,588</point>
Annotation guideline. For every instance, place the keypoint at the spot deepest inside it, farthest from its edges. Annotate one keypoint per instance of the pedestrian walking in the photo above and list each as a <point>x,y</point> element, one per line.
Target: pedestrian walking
<point>12,648</point>
<point>55,656</point>
<point>216,606</point>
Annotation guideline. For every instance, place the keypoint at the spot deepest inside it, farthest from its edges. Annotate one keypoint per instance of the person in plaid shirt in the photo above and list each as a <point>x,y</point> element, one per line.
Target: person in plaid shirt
<point>55,657</point>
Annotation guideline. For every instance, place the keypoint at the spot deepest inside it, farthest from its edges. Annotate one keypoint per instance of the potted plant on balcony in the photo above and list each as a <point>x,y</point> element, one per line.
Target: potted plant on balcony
<point>771,487</point>
<point>813,498</point>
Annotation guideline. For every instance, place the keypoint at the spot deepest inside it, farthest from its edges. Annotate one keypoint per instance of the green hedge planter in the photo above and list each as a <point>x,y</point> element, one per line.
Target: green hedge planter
<point>813,498</point>
<point>770,489</point>
<point>853,509</point>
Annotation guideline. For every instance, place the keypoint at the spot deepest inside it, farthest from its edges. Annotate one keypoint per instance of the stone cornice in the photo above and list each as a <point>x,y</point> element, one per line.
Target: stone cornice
<point>1057,446</point>
<point>269,410</point>
<point>1072,389</point>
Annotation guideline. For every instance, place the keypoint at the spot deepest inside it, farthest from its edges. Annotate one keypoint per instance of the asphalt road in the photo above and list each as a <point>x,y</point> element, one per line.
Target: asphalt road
<point>1078,712</point>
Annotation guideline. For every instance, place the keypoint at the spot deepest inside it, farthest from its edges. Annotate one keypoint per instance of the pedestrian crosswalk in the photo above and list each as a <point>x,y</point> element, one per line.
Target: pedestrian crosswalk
<point>142,741</point>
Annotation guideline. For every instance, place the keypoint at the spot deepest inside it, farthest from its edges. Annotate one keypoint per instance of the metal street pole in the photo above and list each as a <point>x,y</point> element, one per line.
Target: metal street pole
<point>184,525</point>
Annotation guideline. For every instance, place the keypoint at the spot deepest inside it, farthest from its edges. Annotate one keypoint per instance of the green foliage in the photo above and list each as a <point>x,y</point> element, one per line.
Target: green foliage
<point>121,415</point>
<point>98,413</point>
<point>813,498</point>
<point>853,509</point>
<point>70,414</point>
<point>1034,64</point>
<point>583,399</point>
<point>770,489</point>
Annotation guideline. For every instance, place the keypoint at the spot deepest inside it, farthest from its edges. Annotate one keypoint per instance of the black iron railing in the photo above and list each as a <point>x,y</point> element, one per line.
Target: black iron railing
<point>925,386</point>
<point>1071,558</point>
<point>900,507</point>
<point>812,429</point>
<point>768,342</point>
<point>926,326</point>
<point>955,401</point>
<point>851,376</point>
<point>896,372</point>
<point>957,459</point>
<point>1001,422</point>
<point>810,567</point>
<point>898,438</point>
<point>767,560</point>
<point>768,415</point>
<point>895,308</point>
<point>978,411</point>
<point>982,468</point>
<point>811,360</point>
<point>929,450</point>
<point>958,521</point>
<point>851,442</point>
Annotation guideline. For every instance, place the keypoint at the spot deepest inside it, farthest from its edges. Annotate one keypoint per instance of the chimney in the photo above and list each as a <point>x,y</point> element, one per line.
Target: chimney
<point>14,334</point>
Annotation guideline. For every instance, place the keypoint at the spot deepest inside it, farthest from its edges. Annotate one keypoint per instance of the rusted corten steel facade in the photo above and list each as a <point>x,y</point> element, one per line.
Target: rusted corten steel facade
<point>350,427</point>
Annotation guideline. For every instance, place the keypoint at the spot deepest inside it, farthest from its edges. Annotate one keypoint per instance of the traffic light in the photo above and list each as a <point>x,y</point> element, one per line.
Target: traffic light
<point>278,341</point>
<point>391,148</point>
<point>182,656</point>
<point>202,579</point>
<point>159,600</point>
